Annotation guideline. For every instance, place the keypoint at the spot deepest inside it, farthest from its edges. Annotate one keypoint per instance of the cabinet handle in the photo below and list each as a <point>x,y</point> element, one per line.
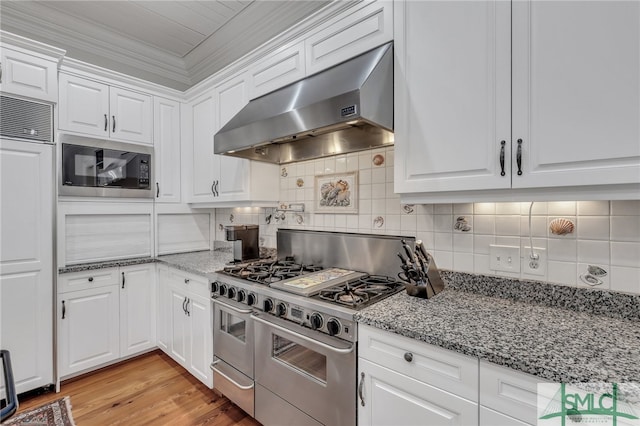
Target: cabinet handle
<point>408,356</point>
<point>212,184</point>
<point>64,310</point>
<point>519,157</point>
<point>114,123</point>
<point>217,193</point>
<point>123,280</point>
<point>503,143</point>
<point>186,280</point>
<point>188,311</point>
<point>106,123</point>
<point>0,73</point>
<point>90,279</point>
<point>361,389</point>
<point>184,302</point>
<point>157,190</point>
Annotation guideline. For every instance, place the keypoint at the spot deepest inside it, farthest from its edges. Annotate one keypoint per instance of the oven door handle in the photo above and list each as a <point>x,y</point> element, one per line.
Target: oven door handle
<point>303,337</point>
<point>236,384</point>
<point>233,308</point>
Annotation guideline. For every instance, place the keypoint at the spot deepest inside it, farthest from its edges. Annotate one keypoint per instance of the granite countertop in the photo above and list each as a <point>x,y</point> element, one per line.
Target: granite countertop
<point>545,339</point>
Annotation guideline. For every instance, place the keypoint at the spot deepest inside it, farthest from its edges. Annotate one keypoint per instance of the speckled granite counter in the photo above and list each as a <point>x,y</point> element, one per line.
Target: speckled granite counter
<point>107,264</point>
<point>534,335</point>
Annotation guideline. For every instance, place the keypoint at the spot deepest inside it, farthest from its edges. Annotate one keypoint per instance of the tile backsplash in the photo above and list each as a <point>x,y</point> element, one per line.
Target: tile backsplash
<point>606,234</point>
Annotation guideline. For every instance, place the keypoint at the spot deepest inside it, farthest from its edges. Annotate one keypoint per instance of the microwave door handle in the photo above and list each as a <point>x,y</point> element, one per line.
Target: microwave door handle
<point>303,337</point>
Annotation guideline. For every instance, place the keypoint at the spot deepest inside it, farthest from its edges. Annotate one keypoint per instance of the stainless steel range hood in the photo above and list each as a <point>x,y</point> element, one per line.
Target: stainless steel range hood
<point>346,108</point>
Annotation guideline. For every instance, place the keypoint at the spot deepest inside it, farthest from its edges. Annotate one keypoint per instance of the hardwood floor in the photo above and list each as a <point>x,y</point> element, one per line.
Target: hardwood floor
<point>151,389</point>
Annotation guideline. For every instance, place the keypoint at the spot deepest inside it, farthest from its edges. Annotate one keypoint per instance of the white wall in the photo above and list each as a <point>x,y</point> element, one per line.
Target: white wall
<point>606,234</point>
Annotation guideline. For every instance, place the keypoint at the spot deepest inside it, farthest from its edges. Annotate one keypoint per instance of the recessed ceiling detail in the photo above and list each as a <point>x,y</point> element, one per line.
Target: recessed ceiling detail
<point>172,43</point>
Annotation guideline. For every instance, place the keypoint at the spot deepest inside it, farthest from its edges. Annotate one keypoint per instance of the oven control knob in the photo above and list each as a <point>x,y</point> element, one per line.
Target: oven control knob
<point>281,309</point>
<point>333,326</point>
<point>252,299</point>
<point>242,295</point>
<point>231,293</point>
<point>316,320</point>
<point>222,290</point>
<point>268,305</point>
<point>214,286</point>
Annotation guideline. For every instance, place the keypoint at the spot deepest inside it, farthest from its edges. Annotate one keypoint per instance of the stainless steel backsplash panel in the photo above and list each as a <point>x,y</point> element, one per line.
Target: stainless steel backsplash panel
<point>370,253</point>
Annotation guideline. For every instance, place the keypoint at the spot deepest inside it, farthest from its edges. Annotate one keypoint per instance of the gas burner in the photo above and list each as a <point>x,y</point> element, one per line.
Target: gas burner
<point>362,291</point>
<point>270,271</point>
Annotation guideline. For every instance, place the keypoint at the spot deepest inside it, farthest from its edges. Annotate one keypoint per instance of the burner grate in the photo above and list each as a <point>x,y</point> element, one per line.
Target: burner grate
<point>361,292</point>
<point>266,272</point>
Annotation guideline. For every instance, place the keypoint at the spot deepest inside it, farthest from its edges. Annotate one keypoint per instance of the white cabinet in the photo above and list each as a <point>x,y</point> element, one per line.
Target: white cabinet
<point>369,26</point>
<point>26,256</point>
<point>93,108</point>
<point>166,143</point>
<point>507,394</point>
<point>88,327</point>
<point>569,119</point>
<point>137,309</point>
<point>28,75</point>
<point>105,315</point>
<point>391,398</point>
<point>576,93</point>
<point>403,381</point>
<point>185,322</point>
<point>277,70</point>
<point>219,180</point>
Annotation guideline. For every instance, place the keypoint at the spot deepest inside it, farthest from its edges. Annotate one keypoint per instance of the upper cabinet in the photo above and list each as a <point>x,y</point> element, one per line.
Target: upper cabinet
<point>28,75</point>
<point>283,67</point>
<point>217,179</point>
<point>559,109</point>
<point>349,35</point>
<point>97,109</point>
<point>166,143</point>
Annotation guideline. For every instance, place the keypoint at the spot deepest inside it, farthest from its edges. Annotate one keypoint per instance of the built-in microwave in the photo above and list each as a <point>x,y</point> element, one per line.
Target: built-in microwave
<point>102,168</point>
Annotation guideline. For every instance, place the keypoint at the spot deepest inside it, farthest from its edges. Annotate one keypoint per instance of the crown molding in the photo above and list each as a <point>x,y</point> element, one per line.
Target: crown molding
<point>31,45</point>
<point>131,54</point>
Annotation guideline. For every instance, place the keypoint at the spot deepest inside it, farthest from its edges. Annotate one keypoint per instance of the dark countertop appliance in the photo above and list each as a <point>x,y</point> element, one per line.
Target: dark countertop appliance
<point>245,241</point>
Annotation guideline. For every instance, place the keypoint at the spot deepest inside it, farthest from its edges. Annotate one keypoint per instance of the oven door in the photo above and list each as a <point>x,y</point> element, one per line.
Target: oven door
<point>314,372</point>
<point>233,336</point>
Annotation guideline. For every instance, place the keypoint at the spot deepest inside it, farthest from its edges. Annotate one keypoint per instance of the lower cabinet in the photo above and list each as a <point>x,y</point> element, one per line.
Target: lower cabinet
<point>185,322</point>
<point>103,320</point>
<point>390,398</point>
<point>408,382</point>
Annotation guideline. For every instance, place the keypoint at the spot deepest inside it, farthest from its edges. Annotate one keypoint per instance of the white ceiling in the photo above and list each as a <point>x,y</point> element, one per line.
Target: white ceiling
<point>173,43</point>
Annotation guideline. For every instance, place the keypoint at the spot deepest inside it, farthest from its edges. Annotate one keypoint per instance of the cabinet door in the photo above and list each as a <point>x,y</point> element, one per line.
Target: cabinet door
<point>137,309</point>
<point>26,328</point>
<point>277,70</point>
<point>89,329</point>
<point>131,116</point>
<point>576,92</point>
<point>391,398</point>
<point>166,143</point>
<point>362,30</point>
<point>200,160</point>
<point>179,327</point>
<point>490,417</point>
<point>201,338</point>
<point>452,103</point>
<point>29,76</point>
<point>84,106</point>
<point>233,172</point>
<point>26,259</point>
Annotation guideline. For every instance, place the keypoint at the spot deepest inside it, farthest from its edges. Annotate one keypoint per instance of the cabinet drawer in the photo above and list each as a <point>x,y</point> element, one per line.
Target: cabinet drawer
<point>192,283</point>
<point>508,391</point>
<point>439,367</point>
<point>87,279</point>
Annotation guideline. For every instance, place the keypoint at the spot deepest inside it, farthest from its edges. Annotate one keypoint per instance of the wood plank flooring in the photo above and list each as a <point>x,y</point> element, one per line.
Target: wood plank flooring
<point>151,389</point>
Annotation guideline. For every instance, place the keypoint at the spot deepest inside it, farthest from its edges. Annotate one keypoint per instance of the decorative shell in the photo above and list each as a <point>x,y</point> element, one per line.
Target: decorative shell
<point>561,226</point>
<point>300,182</point>
<point>378,222</point>
<point>408,208</point>
<point>378,159</point>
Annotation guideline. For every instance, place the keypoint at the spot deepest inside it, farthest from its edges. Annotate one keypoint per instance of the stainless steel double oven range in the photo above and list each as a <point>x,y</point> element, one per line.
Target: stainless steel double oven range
<point>284,334</point>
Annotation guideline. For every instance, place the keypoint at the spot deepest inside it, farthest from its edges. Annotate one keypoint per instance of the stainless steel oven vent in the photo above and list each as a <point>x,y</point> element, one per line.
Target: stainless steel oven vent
<point>24,119</point>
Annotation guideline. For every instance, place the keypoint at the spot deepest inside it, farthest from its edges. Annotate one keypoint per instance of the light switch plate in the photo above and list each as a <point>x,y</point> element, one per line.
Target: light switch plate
<point>504,258</point>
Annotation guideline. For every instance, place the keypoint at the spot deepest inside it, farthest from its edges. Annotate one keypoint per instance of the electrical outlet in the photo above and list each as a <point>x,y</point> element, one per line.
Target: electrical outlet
<point>534,266</point>
<point>504,258</point>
